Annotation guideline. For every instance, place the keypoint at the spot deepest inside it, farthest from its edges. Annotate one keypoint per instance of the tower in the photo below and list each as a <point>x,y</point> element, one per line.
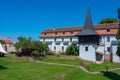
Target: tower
<point>88,40</point>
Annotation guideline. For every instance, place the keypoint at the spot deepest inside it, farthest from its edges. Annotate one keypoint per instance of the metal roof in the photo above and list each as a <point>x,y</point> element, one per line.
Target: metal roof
<point>88,26</point>
<point>115,42</point>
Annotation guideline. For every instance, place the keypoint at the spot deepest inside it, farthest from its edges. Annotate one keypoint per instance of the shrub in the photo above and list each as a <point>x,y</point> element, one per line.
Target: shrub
<point>72,50</point>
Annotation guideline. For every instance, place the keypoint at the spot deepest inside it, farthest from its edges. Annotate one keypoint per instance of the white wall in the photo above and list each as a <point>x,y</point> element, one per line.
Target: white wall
<point>104,41</point>
<point>87,55</point>
<point>114,50</point>
<point>59,47</point>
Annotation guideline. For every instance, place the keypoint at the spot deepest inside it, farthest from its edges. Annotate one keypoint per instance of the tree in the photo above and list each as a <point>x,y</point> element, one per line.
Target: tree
<point>39,46</point>
<point>118,34</point>
<point>118,49</point>
<point>72,50</point>
<point>29,46</point>
<point>108,20</point>
<point>23,43</point>
<point>2,41</point>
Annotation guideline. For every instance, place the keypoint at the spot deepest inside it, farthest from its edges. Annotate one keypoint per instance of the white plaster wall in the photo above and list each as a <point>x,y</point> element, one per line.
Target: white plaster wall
<point>104,41</point>
<point>59,47</point>
<point>115,57</point>
<point>87,55</point>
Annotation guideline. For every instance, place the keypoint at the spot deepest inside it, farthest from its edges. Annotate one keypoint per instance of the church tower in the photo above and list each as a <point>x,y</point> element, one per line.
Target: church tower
<point>88,40</point>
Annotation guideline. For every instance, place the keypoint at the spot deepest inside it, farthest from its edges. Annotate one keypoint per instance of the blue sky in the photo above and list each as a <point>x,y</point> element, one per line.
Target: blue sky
<point>31,17</point>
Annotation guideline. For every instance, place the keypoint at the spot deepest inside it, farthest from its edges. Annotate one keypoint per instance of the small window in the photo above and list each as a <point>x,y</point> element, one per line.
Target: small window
<point>71,32</point>
<point>108,49</point>
<point>108,30</point>
<point>62,39</point>
<point>55,33</point>
<point>86,48</point>
<point>63,32</point>
<point>44,40</point>
<point>55,48</point>
<point>45,33</point>
<point>55,40</point>
<point>108,39</point>
<point>62,48</point>
<point>70,39</point>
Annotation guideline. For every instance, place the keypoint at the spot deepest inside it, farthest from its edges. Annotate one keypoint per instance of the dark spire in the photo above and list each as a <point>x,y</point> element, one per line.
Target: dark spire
<point>88,26</point>
<point>88,21</point>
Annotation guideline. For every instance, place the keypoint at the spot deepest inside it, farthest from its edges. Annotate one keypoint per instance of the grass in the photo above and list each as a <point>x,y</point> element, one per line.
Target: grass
<point>22,69</point>
<point>74,60</point>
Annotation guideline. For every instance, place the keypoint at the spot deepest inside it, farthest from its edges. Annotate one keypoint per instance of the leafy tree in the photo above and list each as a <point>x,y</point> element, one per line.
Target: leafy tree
<point>118,49</point>
<point>108,20</point>
<point>23,43</point>
<point>32,46</point>
<point>118,34</point>
<point>39,46</point>
<point>2,41</point>
<point>72,50</point>
<point>118,13</point>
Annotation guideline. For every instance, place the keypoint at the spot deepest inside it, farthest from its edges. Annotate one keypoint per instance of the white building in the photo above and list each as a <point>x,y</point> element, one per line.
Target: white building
<point>58,39</point>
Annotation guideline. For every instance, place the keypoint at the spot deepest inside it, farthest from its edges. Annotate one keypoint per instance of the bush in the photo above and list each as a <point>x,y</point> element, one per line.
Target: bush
<point>72,50</point>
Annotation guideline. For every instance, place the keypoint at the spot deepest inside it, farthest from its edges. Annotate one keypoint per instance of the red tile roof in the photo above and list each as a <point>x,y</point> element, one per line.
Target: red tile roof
<point>99,28</point>
<point>8,41</point>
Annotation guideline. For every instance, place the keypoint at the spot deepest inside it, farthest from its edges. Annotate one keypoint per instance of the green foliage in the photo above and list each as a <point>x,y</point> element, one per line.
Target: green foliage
<point>108,20</point>
<point>118,49</point>
<point>36,46</point>
<point>72,50</point>
<point>118,13</point>
<point>23,42</point>
<point>118,34</point>
<point>2,42</point>
<point>40,46</point>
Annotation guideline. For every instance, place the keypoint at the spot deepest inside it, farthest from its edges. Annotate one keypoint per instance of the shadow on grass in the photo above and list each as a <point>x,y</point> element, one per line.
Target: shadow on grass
<point>2,67</point>
<point>111,75</point>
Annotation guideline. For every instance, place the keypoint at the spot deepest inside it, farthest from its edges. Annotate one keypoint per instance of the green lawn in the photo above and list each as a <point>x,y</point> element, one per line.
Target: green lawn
<point>63,59</point>
<point>13,68</point>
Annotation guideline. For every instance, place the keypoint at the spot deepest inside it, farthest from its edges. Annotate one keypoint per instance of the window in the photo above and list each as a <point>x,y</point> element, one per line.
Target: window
<point>108,30</point>
<point>44,40</point>
<point>44,33</point>
<point>108,49</point>
<point>55,40</point>
<point>62,48</point>
<point>108,39</point>
<point>63,32</point>
<point>86,48</point>
<point>70,39</point>
<point>55,33</point>
<point>55,48</point>
<point>71,32</point>
<point>62,39</point>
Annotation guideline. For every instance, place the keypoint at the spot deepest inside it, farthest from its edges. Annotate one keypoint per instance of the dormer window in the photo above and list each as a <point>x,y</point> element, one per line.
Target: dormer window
<point>44,33</point>
<point>55,40</point>
<point>63,32</point>
<point>55,33</point>
<point>108,30</point>
<point>62,39</point>
<point>43,39</point>
<point>71,32</point>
